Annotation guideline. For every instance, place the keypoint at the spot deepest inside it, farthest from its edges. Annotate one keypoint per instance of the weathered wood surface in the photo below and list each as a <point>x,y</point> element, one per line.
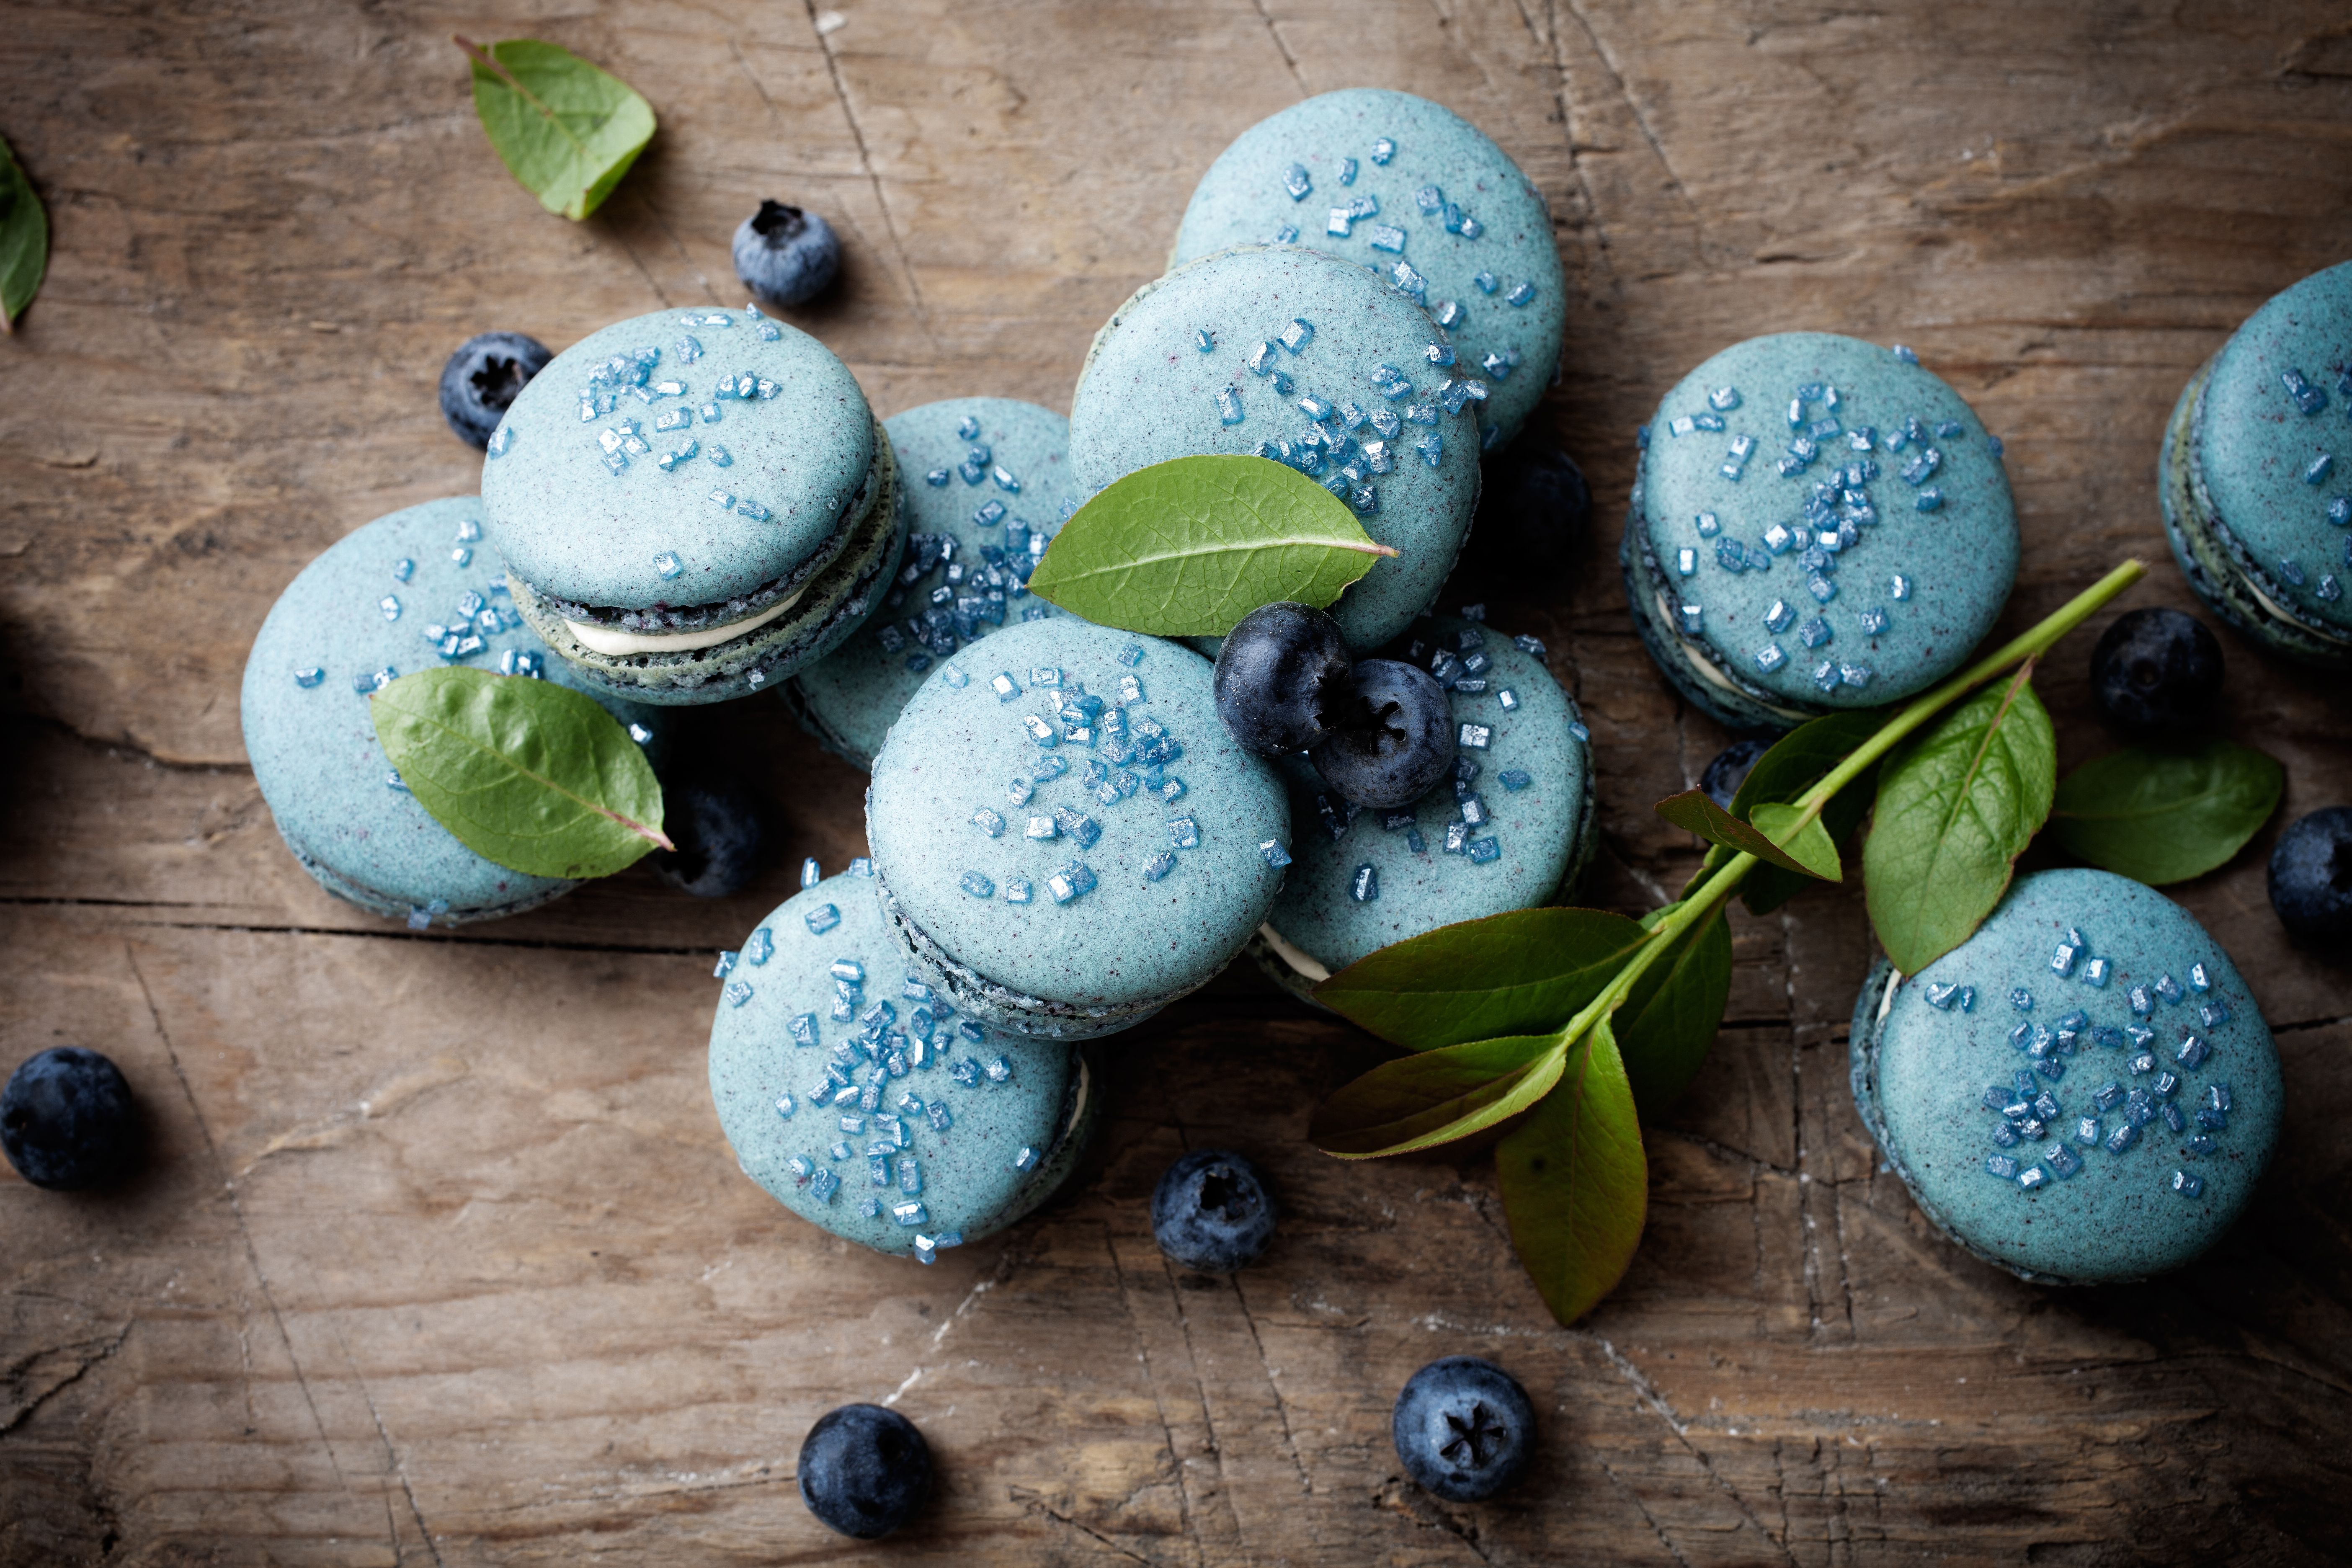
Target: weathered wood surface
<point>443,1259</point>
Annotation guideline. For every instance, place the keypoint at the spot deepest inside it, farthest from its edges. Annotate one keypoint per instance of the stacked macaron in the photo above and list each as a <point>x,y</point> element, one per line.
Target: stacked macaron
<point>1818,524</point>
<point>987,480</point>
<point>2255,475</point>
<point>406,591</point>
<point>693,505</point>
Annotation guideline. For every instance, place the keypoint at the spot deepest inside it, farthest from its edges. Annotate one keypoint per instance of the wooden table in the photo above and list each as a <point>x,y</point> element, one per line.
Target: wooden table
<point>442,1257</point>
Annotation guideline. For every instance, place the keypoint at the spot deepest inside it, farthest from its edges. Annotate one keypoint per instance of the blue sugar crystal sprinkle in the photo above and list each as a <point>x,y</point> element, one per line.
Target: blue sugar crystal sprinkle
<point>2096,972</point>
<point>2087,1130</point>
<point>1184,833</point>
<point>310,676</point>
<point>802,1028</point>
<point>1276,854</point>
<point>1770,657</point>
<point>2214,1013</point>
<point>1071,881</point>
<point>1295,181</point>
<point>1229,406</point>
<point>2318,467</point>
<point>760,947</point>
<point>822,918</point>
<point>726,964</point>
<point>2168,989</point>
<point>978,885</point>
<point>2002,1166</point>
<point>1298,335</point>
<point>1814,633</point>
<point>2142,1003</point>
<point>1017,890</point>
<point>2192,1052</point>
<point>1482,850</point>
<point>738,993</point>
<point>2062,1162</point>
<point>2186,1184</point>
<point>1521,295</point>
<point>2032,1177</point>
<point>2173,1118</point>
<point>2167,1084</point>
<point>2198,979</point>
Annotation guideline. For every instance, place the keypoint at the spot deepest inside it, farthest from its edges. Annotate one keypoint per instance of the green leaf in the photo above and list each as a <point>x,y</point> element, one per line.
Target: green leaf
<point>1806,841</point>
<point>1693,810</point>
<point>535,777</point>
<point>1956,808</point>
<point>1434,1097</point>
<point>1525,973</point>
<point>1798,761</point>
<point>2166,816</point>
<point>1188,547</point>
<point>1575,1184</point>
<point>1669,1018</point>
<point>24,240</point>
<point>566,130</point>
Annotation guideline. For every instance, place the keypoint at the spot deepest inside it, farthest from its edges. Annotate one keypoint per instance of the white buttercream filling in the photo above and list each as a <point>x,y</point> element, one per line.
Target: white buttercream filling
<point>1886,997</point>
<point>1705,667</point>
<point>613,644</point>
<point>1313,972</point>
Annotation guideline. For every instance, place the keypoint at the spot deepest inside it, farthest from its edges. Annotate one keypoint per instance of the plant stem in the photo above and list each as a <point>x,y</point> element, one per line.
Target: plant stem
<point>1701,901</point>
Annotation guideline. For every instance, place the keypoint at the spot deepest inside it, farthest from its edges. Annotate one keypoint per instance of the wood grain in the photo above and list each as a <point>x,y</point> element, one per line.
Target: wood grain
<point>442,1260</point>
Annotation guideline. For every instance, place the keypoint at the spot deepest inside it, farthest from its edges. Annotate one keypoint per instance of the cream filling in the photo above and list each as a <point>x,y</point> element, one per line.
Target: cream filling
<point>1313,972</point>
<point>1704,669</point>
<point>1886,999</point>
<point>614,644</point>
<point>2299,623</point>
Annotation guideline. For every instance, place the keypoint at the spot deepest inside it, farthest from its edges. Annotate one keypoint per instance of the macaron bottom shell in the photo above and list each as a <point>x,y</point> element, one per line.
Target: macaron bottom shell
<point>532,891</point>
<point>2218,569</point>
<point>1690,668</point>
<point>839,600</point>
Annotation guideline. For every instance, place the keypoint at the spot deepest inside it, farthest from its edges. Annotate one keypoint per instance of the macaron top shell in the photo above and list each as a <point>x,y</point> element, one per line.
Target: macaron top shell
<point>1065,870</point>
<point>363,610</point>
<point>1528,787</point>
<point>930,1138</point>
<point>2145,1040</point>
<point>2274,442</point>
<point>1149,394</point>
<point>950,456</point>
<point>1827,498</point>
<point>1443,210</point>
<point>578,503</point>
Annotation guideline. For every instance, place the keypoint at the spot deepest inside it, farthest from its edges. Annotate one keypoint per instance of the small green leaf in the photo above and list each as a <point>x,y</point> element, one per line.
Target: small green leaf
<point>1956,808</point>
<point>567,130</point>
<point>1575,1184</point>
<point>1525,973</point>
<point>1693,810</point>
<point>1808,842</point>
<point>1188,547</point>
<point>1434,1097</point>
<point>1669,1019</point>
<point>24,240</point>
<point>535,777</point>
<point>2166,816</point>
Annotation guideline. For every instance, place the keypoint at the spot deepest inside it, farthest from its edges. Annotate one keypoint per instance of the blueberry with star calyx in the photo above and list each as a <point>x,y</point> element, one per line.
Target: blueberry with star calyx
<point>66,1120</point>
<point>1729,770</point>
<point>482,378</point>
<point>864,1470</point>
<point>1392,736</point>
<point>2311,876</point>
<point>1464,1429</point>
<point>721,829</point>
<point>786,254</point>
<point>1212,1212</point>
<point>2156,675</point>
<point>1534,506</point>
<point>1278,674</point>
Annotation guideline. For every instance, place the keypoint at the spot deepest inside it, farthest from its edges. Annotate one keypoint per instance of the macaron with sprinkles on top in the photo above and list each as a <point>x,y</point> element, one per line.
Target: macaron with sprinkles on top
<point>1067,837</point>
<point>987,482</point>
<point>2083,1092</point>
<point>1816,524</point>
<point>856,1097</point>
<point>1426,200</point>
<point>2256,474</point>
<point>693,505</point>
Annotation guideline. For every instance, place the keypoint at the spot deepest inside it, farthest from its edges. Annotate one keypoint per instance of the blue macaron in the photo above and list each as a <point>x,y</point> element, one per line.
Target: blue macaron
<point>852,1093</point>
<point>1818,524</point>
<point>2082,1092</point>
<point>1510,827</point>
<point>987,481</point>
<point>2256,474</point>
<point>693,505</point>
<point>404,593</point>
<point>1422,197</point>
<point>1067,838</point>
<point>1311,361</point>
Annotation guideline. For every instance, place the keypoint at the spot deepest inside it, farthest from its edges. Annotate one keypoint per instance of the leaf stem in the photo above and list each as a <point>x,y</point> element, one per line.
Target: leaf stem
<point>1702,901</point>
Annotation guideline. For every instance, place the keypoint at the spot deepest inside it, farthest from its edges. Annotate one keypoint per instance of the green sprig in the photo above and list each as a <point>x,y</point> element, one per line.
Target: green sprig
<point>1574,1183</point>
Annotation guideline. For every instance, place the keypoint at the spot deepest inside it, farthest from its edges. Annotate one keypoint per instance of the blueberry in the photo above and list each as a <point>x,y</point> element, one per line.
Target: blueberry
<point>720,828</point>
<point>482,378</point>
<point>1393,740</point>
<point>785,254</point>
<point>2156,675</point>
<point>1464,1429</point>
<point>1278,674</point>
<point>66,1120</point>
<point>2311,875</point>
<point>1729,770</point>
<point>1533,505</point>
<point>864,1470</point>
<point>1212,1212</point>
